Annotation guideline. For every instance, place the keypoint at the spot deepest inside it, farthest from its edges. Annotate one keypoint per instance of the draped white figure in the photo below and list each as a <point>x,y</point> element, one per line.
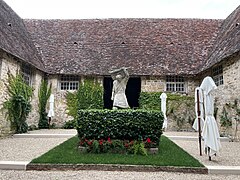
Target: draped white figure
<point>51,106</point>
<point>163,98</point>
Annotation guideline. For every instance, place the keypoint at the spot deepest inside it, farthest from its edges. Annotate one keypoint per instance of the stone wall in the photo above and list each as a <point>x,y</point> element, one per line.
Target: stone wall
<point>230,90</point>
<point>60,105</point>
<point>158,84</point>
<point>59,102</point>
<point>7,64</point>
<point>12,65</point>
<point>153,84</point>
<point>33,117</point>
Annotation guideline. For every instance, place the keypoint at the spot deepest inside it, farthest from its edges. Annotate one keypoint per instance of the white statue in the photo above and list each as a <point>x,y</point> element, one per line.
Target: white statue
<point>120,77</point>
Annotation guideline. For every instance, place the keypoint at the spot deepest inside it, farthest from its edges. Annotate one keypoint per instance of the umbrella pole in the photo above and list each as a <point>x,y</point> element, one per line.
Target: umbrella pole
<point>49,122</point>
<point>199,124</point>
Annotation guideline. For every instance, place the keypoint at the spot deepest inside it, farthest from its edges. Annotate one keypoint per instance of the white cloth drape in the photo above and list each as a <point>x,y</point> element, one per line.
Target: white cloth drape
<point>210,132</point>
<point>51,106</point>
<point>201,108</point>
<point>163,98</point>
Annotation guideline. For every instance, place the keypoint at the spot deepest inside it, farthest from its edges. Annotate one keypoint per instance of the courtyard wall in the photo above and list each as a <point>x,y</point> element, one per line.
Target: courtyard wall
<point>230,90</point>
<point>7,64</point>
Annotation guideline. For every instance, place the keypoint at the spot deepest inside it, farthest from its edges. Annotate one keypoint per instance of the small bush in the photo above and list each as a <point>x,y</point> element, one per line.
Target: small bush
<point>70,124</point>
<point>88,96</point>
<point>120,124</point>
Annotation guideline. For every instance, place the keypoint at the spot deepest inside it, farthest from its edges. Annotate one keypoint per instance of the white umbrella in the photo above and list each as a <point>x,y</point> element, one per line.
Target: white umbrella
<point>51,106</point>
<point>201,109</point>
<point>210,131</point>
<point>163,98</point>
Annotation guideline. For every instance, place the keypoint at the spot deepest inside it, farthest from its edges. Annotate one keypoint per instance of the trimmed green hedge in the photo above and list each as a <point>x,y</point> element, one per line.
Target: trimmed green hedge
<point>120,124</point>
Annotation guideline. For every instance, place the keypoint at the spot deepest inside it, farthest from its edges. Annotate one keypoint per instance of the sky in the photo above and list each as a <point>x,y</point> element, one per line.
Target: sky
<point>101,9</point>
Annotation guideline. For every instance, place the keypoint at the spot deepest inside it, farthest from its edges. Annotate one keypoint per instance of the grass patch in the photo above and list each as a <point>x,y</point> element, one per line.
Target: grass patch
<point>169,155</point>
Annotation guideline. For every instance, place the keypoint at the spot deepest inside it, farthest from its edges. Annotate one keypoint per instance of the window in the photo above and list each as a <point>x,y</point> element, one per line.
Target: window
<point>175,84</point>
<point>217,73</point>
<point>27,74</point>
<point>69,82</point>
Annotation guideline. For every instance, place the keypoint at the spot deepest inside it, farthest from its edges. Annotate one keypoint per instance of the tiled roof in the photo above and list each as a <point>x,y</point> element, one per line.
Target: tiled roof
<point>146,46</point>
<point>228,40</point>
<point>15,39</point>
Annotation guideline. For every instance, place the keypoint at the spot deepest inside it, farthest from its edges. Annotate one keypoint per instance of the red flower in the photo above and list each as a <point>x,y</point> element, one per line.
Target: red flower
<point>148,140</point>
<point>89,143</point>
<point>100,142</point>
<point>109,140</point>
<point>131,143</point>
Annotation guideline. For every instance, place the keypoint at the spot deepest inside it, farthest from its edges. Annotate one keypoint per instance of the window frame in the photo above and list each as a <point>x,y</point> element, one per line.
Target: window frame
<point>217,74</point>
<point>69,82</point>
<point>27,73</point>
<point>175,84</point>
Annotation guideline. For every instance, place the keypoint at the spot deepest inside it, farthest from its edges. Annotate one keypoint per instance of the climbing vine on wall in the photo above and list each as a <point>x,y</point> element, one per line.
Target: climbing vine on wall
<point>18,106</point>
<point>88,96</point>
<point>180,108</point>
<point>232,114</point>
<point>43,96</point>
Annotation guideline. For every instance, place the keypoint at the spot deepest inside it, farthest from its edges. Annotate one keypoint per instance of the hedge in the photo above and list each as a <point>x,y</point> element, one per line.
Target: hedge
<point>120,124</point>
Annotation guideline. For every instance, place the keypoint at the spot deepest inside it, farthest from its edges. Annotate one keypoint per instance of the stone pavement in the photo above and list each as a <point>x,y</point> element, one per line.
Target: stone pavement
<point>227,160</point>
<point>21,149</point>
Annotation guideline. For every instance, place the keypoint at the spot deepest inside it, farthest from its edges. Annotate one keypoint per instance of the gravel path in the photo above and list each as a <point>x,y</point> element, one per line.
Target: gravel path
<point>25,149</point>
<point>106,175</point>
<point>228,156</point>
<point>53,131</point>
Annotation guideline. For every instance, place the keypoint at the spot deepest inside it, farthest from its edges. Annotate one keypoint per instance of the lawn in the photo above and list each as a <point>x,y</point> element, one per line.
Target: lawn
<point>169,155</point>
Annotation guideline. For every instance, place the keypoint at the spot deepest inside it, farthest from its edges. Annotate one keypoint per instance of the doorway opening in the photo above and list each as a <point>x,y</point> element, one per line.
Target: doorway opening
<point>133,90</point>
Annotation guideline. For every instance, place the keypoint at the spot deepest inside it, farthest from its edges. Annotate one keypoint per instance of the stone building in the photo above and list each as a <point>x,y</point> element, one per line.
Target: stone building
<point>171,55</point>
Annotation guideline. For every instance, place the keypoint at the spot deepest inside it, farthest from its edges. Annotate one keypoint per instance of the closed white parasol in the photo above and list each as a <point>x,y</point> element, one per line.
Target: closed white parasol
<point>163,98</point>
<point>51,106</point>
<point>210,132</point>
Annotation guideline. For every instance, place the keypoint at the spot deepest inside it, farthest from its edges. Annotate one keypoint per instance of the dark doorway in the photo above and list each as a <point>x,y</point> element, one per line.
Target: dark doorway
<point>132,92</point>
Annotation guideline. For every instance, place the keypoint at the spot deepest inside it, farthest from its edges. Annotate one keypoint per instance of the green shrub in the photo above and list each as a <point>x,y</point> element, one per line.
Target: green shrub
<point>88,96</point>
<point>70,124</point>
<point>150,100</point>
<point>43,95</point>
<point>120,124</point>
<point>180,108</point>
<point>18,105</point>
<point>72,107</point>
